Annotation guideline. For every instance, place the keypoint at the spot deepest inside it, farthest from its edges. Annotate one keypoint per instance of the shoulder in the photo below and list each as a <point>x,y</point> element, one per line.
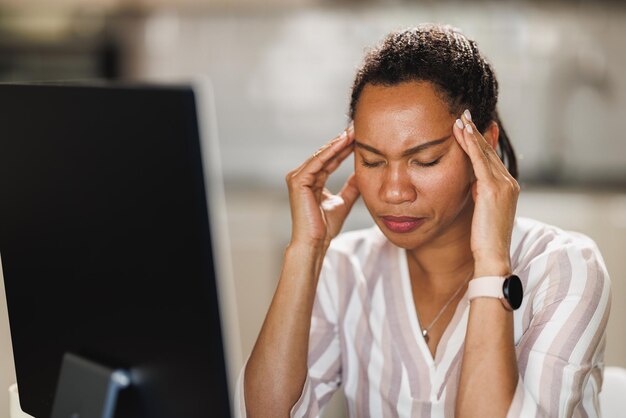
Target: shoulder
<point>558,265</point>
<point>533,240</point>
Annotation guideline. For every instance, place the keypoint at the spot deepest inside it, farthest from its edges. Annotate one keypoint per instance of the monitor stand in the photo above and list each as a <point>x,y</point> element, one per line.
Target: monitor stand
<point>87,389</point>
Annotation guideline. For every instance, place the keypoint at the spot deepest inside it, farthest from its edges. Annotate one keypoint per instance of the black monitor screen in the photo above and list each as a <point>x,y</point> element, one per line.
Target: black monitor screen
<point>105,245</point>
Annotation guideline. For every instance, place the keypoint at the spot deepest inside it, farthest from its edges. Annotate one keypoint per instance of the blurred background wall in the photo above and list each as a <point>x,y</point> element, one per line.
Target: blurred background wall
<point>282,72</point>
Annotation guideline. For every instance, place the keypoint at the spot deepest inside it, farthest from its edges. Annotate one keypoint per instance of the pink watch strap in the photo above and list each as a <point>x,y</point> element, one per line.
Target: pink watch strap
<point>487,286</point>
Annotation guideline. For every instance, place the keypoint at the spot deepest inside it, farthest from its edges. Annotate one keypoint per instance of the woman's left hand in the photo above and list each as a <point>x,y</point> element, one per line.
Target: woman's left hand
<point>495,193</point>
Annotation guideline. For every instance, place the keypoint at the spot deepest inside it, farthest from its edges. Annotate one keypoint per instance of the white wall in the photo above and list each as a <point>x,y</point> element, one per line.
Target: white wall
<point>282,80</point>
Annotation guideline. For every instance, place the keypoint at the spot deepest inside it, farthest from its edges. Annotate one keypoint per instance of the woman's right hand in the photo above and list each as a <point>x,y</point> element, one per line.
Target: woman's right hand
<point>316,214</point>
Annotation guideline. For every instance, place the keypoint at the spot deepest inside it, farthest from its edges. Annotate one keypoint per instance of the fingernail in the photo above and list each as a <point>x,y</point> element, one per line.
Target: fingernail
<point>469,128</point>
<point>344,134</point>
<point>467,114</point>
<point>459,123</point>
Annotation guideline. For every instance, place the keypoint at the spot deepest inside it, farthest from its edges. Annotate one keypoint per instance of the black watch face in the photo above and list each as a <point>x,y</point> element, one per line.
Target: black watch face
<point>513,291</point>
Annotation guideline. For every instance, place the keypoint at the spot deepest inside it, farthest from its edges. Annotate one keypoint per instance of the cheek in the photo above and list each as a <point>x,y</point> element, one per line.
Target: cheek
<point>445,181</point>
<point>431,182</point>
<point>368,183</point>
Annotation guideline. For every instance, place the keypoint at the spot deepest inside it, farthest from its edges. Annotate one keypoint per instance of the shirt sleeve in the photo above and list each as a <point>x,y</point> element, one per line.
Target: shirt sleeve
<point>561,354</point>
<point>324,356</point>
<point>324,359</point>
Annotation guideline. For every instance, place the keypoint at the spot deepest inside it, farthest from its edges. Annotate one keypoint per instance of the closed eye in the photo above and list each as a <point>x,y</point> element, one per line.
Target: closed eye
<point>430,164</point>
<point>368,164</point>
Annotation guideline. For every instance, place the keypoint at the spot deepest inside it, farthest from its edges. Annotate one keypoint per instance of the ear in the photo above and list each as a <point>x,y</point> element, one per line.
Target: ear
<point>492,134</point>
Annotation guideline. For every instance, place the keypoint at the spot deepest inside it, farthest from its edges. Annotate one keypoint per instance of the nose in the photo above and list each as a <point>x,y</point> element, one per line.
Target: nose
<point>397,187</point>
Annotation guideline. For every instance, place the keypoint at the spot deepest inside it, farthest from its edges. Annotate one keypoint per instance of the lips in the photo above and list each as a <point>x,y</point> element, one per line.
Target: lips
<point>401,218</point>
<point>402,224</point>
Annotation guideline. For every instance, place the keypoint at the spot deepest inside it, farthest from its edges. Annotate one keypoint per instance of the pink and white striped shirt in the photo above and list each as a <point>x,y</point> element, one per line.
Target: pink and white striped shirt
<point>365,336</point>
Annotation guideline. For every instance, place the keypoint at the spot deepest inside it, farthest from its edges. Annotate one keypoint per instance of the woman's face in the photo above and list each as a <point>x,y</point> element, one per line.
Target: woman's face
<point>401,175</point>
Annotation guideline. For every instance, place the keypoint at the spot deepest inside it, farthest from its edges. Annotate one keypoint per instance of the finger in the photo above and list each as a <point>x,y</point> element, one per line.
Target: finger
<point>477,138</point>
<point>495,158</point>
<point>331,166</point>
<point>337,144</point>
<point>457,130</point>
<point>487,149</point>
<point>316,153</point>
<point>479,160</point>
<point>317,180</point>
<point>319,186</point>
<point>336,161</point>
<point>498,170</point>
<point>459,127</point>
<point>317,161</point>
<point>349,192</point>
<point>322,176</point>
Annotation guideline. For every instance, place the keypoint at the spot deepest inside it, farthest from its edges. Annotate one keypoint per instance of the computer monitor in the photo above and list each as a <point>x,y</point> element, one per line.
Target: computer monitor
<point>106,246</point>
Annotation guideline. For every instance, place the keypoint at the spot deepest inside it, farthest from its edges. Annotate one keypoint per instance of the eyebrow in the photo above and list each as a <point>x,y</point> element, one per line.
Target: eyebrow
<point>410,151</point>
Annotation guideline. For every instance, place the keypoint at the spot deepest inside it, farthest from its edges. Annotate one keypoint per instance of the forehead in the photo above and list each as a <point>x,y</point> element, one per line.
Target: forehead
<point>400,116</point>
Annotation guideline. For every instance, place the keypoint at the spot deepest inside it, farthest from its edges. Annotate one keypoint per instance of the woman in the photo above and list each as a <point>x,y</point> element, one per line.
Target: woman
<point>414,316</point>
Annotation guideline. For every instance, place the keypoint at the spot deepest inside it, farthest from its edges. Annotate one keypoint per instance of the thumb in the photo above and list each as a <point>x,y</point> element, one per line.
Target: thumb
<point>350,192</point>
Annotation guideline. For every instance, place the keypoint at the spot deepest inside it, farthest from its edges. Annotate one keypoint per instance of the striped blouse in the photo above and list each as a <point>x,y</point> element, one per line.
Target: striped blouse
<point>365,336</point>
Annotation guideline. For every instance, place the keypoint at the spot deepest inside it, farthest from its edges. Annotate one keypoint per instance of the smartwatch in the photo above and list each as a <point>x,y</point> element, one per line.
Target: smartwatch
<point>506,288</point>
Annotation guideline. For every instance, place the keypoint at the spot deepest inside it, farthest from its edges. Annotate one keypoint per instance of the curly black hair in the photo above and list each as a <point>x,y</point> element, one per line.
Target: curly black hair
<point>444,56</point>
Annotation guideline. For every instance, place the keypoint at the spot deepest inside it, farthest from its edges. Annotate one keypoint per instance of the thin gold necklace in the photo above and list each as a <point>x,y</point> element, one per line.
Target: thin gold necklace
<point>442,310</point>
